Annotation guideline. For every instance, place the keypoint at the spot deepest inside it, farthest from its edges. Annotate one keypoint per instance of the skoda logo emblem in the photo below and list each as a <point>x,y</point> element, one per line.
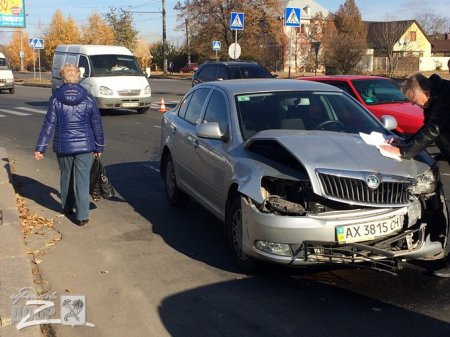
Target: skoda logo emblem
<point>373,181</point>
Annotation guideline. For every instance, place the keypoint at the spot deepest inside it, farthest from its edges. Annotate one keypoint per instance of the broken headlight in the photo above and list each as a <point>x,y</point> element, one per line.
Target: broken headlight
<point>427,182</point>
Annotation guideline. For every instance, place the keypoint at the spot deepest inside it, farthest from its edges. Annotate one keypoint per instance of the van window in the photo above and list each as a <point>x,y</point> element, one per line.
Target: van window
<point>114,65</point>
<point>3,63</point>
<point>72,59</point>
<point>83,62</point>
<point>58,61</point>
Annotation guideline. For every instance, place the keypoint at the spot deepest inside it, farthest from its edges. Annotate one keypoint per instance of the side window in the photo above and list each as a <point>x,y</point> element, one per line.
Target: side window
<point>209,73</point>
<point>72,59</point>
<point>183,106</point>
<point>195,105</point>
<point>222,73</point>
<point>344,86</point>
<point>83,62</point>
<point>58,61</point>
<point>216,111</point>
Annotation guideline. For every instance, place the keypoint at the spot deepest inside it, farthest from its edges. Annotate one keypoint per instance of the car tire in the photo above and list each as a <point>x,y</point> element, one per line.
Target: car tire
<point>175,196</point>
<point>234,232</point>
<point>12,90</point>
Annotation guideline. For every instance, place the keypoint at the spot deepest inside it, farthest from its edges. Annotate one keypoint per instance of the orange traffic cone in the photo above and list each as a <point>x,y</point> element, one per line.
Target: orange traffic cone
<point>162,106</point>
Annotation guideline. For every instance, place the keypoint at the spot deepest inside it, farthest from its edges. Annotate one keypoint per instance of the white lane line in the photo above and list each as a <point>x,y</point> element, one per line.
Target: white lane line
<point>151,167</point>
<point>157,126</point>
<point>12,112</point>
<point>2,116</point>
<point>31,109</point>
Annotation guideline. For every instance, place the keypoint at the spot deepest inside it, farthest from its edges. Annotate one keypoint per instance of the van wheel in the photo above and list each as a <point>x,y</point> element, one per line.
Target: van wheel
<point>142,110</point>
<point>12,91</point>
<point>234,233</point>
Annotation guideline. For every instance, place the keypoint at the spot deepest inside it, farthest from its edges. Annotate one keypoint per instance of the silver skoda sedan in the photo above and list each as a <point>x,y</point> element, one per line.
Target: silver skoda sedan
<point>284,165</point>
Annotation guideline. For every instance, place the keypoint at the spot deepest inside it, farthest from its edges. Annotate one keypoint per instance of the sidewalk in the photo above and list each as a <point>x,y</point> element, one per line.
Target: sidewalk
<point>15,265</point>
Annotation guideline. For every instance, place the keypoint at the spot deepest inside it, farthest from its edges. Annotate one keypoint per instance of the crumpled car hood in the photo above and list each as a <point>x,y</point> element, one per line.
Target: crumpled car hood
<point>317,150</point>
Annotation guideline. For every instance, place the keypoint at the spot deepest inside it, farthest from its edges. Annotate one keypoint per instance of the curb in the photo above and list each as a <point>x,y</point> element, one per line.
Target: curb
<point>15,265</point>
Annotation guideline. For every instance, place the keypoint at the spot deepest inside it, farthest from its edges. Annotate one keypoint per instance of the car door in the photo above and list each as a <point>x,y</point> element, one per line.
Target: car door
<point>184,137</point>
<point>211,166</point>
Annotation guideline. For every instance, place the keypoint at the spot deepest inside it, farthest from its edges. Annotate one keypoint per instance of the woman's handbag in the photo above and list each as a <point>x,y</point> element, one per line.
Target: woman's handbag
<point>100,186</point>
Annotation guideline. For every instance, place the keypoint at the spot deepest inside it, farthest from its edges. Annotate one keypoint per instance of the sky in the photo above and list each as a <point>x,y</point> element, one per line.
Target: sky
<point>149,24</point>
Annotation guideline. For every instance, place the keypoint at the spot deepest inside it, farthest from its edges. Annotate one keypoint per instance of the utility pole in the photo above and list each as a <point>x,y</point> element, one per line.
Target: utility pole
<point>187,43</point>
<point>164,36</point>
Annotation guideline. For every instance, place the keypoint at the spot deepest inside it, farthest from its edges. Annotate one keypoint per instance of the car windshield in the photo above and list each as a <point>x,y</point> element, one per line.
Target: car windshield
<point>303,110</point>
<point>379,91</point>
<point>3,63</point>
<point>115,65</point>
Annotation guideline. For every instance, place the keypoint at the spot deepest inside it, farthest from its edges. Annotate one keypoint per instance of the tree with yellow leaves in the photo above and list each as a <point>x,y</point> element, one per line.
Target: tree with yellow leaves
<point>61,31</point>
<point>13,50</point>
<point>142,54</point>
<point>97,32</point>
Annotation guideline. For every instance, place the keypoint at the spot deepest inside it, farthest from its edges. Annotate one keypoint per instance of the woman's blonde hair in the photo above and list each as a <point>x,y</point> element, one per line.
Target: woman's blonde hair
<point>70,73</point>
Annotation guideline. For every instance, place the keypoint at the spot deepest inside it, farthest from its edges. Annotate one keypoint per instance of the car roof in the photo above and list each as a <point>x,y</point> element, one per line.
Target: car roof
<point>233,63</point>
<point>342,77</point>
<point>242,86</point>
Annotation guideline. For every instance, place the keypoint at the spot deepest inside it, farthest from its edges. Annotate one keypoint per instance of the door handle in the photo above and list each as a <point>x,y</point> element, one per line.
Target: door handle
<point>174,128</point>
<point>195,142</point>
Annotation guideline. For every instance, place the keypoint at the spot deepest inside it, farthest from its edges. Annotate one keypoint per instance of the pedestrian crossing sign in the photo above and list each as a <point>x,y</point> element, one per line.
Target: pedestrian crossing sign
<point>237,21</point>
<point>292,17</point>
<point>216,45</point>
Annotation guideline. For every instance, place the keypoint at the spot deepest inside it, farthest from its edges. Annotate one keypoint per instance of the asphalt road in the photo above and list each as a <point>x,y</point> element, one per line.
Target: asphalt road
<point>148,269</point>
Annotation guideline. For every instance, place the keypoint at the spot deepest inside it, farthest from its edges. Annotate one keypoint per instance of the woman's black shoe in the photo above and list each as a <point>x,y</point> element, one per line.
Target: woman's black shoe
<point>81,222</point>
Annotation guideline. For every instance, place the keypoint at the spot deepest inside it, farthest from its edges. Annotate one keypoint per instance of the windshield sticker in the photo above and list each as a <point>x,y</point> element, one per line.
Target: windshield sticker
<point>243,98</point>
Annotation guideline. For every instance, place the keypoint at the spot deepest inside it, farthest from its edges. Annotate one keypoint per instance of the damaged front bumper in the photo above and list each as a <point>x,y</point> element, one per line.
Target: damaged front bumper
<point>306,239</point>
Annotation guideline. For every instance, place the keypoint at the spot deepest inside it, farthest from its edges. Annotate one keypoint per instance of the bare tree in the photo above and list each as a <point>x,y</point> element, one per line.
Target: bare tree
<point>385,39</point>
<point>434,25</point>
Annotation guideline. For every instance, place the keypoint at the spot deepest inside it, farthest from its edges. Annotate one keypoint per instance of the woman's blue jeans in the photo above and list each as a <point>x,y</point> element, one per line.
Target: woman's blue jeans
<point>75,177</point>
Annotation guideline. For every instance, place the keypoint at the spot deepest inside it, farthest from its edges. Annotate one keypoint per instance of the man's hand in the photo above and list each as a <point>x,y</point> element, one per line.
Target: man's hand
<point>390,148</point>
<point>38,155</point>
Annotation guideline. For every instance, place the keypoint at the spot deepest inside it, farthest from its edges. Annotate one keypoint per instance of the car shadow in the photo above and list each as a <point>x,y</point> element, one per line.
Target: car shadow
<point>284,306</point>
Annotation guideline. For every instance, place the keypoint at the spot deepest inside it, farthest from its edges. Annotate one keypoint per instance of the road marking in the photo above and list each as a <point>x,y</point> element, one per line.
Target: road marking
<point>2,116</point>
<point>157,126</point>
<point>12,112</point>
<point>31,109</point>
<point>151,167</point>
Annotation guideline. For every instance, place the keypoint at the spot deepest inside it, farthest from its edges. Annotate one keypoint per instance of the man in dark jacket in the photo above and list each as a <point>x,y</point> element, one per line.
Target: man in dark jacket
<point>433,95</point>
<point>75,123</point>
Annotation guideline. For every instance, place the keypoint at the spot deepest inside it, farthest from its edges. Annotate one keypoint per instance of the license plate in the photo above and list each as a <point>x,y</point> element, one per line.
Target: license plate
<point>130,104</point>
<point>369,231</point>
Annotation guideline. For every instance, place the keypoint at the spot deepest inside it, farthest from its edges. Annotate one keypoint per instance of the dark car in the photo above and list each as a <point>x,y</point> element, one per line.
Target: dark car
<point>218,71</point>
<point>189,68</point>
<point>381,96</point>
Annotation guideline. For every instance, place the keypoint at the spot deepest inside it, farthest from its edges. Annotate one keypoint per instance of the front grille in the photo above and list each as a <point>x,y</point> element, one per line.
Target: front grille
<point>129,92</point>
<point>356,190</point>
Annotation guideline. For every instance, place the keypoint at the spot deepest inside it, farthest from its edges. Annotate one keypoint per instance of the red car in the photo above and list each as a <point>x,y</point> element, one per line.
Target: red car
<point>381,96</point>
<point>189,68</point>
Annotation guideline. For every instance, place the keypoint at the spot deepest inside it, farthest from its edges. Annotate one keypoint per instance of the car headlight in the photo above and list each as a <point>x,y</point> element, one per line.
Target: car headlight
<point>105,91</point>
<point>427,182</point>
<point>147,90</point>
<point>9,80</point>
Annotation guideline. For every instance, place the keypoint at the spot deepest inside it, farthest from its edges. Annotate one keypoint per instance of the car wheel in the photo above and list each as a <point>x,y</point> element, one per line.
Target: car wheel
<point>142,110</point>
<point>12,90</point>
<point>234,235</point>
<point>175,196</point>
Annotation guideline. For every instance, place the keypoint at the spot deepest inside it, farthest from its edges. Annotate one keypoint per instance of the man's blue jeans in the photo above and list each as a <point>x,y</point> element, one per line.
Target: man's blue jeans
<point>75,176</point>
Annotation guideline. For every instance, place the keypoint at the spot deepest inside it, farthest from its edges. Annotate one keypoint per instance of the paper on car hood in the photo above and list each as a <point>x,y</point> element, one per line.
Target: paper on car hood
<point>337,151</point>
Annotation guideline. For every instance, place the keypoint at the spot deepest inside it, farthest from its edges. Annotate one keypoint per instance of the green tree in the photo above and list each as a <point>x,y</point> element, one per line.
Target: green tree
<point>345,41</point>
<point>210,20</point>
<point>121,22</point>
<point>61,31</point>
<point>156,51</point>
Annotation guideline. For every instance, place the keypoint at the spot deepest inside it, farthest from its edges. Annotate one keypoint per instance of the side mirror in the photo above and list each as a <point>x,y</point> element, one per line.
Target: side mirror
<point>389,122</point>
<point>82,71</point>
<point>209,130</point>
<point>148,71</point>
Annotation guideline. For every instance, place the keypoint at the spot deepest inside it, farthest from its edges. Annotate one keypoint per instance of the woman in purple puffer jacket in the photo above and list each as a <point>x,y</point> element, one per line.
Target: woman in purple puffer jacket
<point>74,122</point>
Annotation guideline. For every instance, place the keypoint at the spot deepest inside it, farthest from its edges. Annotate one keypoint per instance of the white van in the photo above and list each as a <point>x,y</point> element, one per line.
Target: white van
<point>6,75</point>
<point>110,73</point>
